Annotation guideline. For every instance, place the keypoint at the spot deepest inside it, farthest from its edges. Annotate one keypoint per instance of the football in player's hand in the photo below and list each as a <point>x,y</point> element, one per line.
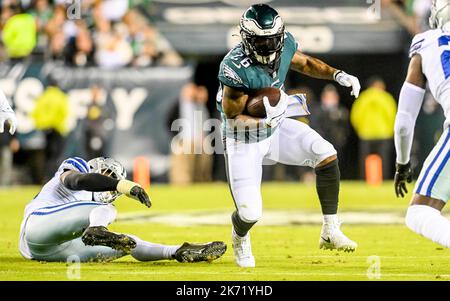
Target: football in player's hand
<point>255,105</point>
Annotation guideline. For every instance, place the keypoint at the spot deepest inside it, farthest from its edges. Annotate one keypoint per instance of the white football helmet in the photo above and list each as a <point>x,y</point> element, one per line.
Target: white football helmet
<point>111,168</point>
<point>440,14</point>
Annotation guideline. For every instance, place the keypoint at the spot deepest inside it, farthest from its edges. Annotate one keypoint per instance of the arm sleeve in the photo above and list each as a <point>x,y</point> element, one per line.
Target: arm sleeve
<point>410,102</point>
<point>90,182</point>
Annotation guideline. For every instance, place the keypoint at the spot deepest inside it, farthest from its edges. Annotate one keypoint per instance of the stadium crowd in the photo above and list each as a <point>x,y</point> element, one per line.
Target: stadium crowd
<point>108,34</point>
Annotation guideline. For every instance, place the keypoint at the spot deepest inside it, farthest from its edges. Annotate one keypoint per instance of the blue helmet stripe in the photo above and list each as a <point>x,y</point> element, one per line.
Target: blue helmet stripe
<point>76,165</point>
<point>83,162</point>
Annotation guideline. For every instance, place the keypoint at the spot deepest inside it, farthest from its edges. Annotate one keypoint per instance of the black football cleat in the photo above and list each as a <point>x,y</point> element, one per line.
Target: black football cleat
<point>101,236</point>
<point>200,252</point>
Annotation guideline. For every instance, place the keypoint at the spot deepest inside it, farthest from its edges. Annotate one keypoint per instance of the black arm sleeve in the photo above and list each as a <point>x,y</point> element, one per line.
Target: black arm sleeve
<point>90,182</point>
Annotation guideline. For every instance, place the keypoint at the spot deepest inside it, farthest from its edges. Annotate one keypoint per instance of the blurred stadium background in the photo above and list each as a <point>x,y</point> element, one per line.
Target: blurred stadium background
<point>89,78</point>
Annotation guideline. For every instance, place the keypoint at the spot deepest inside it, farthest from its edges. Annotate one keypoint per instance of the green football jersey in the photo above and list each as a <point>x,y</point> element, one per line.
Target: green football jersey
<point>239,71</point>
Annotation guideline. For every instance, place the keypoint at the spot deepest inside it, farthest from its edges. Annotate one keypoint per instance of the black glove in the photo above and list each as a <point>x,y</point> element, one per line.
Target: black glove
<point>403,174</point>
<point>138,193</point>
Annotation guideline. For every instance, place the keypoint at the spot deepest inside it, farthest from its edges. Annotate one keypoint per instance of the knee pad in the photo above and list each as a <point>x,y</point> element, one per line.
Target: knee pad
<point>104,213</point>
<point>418,215</point>
<point>249,215</point>
<point>318,146</point>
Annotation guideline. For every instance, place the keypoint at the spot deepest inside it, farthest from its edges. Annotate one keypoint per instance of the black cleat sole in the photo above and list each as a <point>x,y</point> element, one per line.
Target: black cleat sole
<point>200,252</point>
<point>100,236</point>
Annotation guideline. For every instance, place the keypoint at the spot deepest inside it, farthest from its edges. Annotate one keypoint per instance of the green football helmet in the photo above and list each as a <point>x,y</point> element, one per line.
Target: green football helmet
<point>262,32</point>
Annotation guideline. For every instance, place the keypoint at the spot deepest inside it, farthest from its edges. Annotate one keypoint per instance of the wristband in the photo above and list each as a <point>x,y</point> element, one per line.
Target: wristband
<point>125,186</point>
<point>335,74</point>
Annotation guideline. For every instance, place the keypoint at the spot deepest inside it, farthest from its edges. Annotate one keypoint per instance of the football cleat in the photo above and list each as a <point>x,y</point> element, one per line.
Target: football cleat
<point>243,250</point>
<point>100,236</point>
<point>200,252</point>
<point>332,238</point>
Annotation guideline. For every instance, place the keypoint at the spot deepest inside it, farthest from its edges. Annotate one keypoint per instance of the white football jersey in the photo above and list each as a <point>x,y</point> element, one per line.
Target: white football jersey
<point>54,194</point>
<point>434,49</point>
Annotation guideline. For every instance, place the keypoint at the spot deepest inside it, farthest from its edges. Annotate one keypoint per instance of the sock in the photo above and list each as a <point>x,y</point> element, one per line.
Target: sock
<point>327,186</point>
<point>240,227</point>
<point>330,219</point>
<point>102,215</point>
<point>429,222</point>
<point>147,251</point>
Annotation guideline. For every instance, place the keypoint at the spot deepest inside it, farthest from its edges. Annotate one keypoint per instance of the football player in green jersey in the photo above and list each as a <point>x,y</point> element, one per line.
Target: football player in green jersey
<point>263,58</point>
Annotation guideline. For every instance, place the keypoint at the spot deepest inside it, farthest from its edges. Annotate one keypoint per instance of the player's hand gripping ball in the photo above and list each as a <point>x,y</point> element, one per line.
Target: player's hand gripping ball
<point>269,103</point>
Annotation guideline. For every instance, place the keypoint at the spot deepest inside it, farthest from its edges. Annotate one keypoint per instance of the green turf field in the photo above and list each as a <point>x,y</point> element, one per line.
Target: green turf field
<point>282,252</point>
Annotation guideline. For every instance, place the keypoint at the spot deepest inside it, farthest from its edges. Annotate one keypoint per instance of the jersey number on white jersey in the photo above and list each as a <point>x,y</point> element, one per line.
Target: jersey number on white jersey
<point>444,42</point>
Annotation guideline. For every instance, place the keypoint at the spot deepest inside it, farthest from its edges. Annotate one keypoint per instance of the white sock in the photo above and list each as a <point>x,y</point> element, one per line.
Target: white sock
<point>330,219</point>
<point>147,251</point>
<point>102,215</point>
<point>429,222</point>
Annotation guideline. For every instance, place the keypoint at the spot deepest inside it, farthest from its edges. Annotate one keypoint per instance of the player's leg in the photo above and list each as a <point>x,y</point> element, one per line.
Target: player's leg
<point>77,250</point>
<point>187,252</point>
<point>244,170</point>
<point>432,191</point>
<point>49,232</point>
<point>79,231</point>
<point>297,144</point>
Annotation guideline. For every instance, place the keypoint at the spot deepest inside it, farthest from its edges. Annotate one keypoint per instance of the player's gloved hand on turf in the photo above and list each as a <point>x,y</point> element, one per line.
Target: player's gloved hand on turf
<point>7,116</point>
<point>348,80</point>
<point>275,114</point>
<point>134,191</point>
<point>403,175</point>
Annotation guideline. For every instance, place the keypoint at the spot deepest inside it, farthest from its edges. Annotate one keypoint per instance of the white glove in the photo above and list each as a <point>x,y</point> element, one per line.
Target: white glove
<point>7,115</point>
<point>348,80</point>
<point>276,114</point>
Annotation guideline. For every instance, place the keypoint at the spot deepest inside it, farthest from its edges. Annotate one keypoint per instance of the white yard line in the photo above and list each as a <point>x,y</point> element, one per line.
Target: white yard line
<point>270,218</point>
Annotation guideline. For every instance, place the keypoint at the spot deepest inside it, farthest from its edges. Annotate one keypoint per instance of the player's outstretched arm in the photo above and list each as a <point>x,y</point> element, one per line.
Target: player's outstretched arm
<point>313,67</point>
<point>96,182</point>
<point>410,102</point>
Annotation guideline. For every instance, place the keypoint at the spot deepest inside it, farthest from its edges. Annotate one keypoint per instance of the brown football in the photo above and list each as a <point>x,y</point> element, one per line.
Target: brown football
<point>255,104</point>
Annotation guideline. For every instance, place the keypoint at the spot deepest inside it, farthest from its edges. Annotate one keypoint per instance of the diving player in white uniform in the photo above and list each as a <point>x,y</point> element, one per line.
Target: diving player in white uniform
<point>430,62</point>
<point>69,216</point>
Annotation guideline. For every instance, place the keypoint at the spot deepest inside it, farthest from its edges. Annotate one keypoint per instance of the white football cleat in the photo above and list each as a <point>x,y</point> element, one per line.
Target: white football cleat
<point>243,250</point>
<point>332,238</point>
